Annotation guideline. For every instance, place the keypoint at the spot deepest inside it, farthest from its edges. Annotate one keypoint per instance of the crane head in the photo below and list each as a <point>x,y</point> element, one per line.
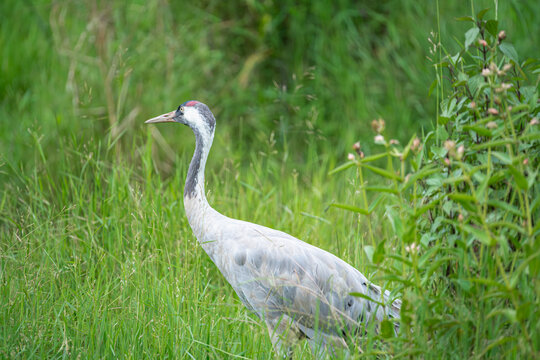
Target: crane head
<point>192,113</point>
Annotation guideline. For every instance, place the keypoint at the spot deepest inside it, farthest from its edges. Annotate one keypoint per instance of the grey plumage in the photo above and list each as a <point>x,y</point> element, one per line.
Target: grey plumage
<point>299,290</point>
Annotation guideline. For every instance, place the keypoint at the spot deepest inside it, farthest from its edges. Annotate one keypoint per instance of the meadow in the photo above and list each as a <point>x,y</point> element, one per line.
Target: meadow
<point>97,259</point>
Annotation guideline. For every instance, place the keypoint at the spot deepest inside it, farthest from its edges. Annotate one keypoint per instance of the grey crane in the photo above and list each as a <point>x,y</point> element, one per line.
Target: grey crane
<point>299,290</point>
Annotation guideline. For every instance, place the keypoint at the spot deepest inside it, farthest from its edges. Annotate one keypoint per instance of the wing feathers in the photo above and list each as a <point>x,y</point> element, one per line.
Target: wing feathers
<point>275,274</point>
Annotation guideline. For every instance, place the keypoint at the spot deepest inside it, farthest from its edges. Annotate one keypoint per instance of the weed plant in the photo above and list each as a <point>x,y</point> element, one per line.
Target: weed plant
<point>462,200</point>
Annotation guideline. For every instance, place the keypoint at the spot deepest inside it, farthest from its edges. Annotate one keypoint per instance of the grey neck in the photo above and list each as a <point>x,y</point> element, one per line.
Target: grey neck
<point>195,178</point>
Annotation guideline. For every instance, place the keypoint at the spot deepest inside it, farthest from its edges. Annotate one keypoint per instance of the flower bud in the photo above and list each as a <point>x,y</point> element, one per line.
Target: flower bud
<point>486,72</point>
<point>460,152</point>
<point>394,142</point>
<point>502,35</point>
<point>379,139</point>
<point>482,42</point>
<point>472,105</point>
<point>460,217</point>
<point>350,157</point>
<point>411,248</point>
<point>534,121</point>
<point>491,125</point>
<point>356,146</point>
<point>378,125</point>
<point>449,145</point>
<point>493,111</point>
<point>525,161</point>
<point>502,88</point>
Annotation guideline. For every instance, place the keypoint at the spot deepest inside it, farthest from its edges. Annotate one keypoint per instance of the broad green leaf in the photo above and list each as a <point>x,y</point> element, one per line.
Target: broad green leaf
<point>407,149</point>
<point>508,50</point>
<point>510,314</point>
<point>481,13</point>
<point>493,143</point>
<point>436,180</point>
<point>428,255</point>
<point>504,206</point>
<point>503,157</point>
<point>465,18</point>
<point>448,207</point>
<point>372,158</point>
<point>387,174</point>
<point>434,265</point>
<point>351,208</point>
<point>461,197</point>
<point>439,151</point>
<point>480,235</point>
<point>444,119</point>
<point>343,167</point>
<point>379,254</point>
<point>491,27</point>
<point>432,87</point>
<point>532,136</point>
<point>480,130</point>
<point>401,259</point>
<point>464,284</point>
<point>520,107</point>
<point>447,111</point>
<point>455,179</point>
<point>498,225</point>
<point>470,36</point>
<point>524,310</point>
<point>387,329</point>
<point>496,177</point>
<point>475,82</point>
<point>421,174</point>
<point>369,250</point>
<point>520,179</point>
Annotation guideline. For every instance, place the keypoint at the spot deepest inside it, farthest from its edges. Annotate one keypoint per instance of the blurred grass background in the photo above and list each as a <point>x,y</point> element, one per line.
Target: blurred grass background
<point>97,258</point>
<point>314,73</point>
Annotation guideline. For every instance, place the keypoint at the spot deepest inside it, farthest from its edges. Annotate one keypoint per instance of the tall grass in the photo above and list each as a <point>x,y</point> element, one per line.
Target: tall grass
<point>96,256</point>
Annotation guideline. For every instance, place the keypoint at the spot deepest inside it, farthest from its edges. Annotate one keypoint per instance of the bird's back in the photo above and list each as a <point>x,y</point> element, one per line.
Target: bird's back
<point>276,274</point>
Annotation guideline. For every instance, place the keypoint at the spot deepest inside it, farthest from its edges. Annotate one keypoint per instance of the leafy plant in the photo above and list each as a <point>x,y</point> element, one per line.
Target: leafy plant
<point>463,201</point>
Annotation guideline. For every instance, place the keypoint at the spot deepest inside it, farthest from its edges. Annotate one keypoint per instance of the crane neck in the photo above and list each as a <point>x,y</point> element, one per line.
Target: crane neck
<point>194,187</point>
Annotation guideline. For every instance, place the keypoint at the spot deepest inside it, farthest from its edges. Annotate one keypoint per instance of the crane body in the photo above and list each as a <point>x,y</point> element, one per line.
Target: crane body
<point>299,290</point>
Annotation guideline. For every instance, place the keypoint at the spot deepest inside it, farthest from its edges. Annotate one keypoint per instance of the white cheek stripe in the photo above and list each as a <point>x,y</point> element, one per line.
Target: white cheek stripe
<point>195,119</point>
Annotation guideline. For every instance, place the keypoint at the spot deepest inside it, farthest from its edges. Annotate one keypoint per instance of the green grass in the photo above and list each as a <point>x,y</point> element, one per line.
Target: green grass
<point>96,256</point>
<point>103,263</point>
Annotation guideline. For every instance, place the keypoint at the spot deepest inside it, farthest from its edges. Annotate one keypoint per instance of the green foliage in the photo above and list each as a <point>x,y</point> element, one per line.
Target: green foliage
<point>463,202</point>
<point>96,257</point>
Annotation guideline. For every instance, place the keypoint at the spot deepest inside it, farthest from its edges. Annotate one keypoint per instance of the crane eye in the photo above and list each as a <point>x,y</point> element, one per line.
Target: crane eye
<point>181,109</point>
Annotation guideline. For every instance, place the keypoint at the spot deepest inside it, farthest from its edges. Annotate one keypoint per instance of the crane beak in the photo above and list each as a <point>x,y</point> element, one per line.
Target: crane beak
<point>168,117</point>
